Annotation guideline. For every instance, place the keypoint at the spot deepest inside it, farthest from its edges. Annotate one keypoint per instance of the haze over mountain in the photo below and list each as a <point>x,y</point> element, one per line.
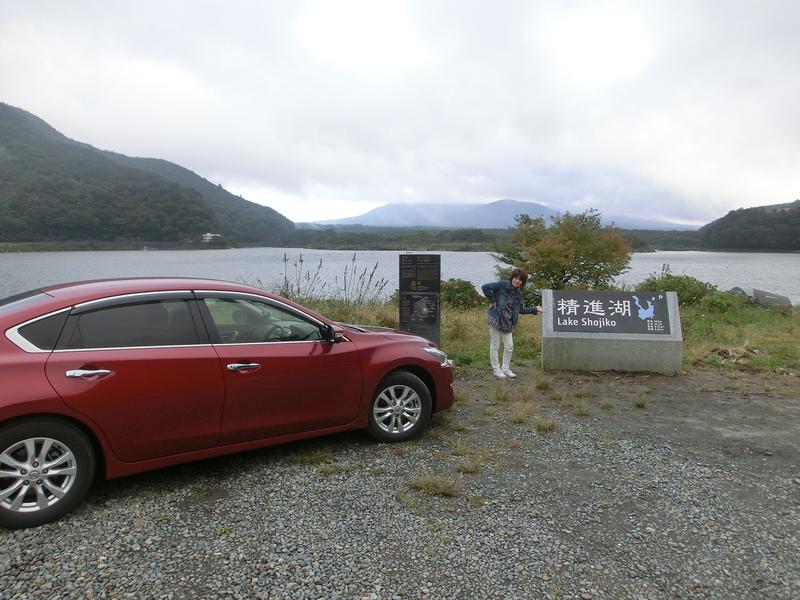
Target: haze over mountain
<point>55,188</point>
<point>495,215</point>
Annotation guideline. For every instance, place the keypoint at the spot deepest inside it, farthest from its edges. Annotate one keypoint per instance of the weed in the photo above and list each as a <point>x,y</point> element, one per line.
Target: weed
<point>522,413</point>
<point>640,402</point>
<point>556,396</point>
<point>584,392</point>
<point>409,501</point>
<point>500,394</point>
<point>435,485</point>
<point>606,405</point>
<point>581,410</point>
<point>477,501</point>
<point>542,384</point>
<point>162,519</point>
<point>311,457</point>
<point>328,470</point>
<point>543,425</point>
<point>468,467</point>
<point>223,531</point>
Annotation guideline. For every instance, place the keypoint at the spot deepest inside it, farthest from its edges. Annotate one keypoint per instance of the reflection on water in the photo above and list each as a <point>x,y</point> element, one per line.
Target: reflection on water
<point>264,267</point>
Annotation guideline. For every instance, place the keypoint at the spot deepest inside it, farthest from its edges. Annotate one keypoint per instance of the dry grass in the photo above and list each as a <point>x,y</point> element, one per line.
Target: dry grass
<point>311,457</point>
<point>581,409</point>
<point>543,425</point>
<point>435,485</point>
<point>523,412</point>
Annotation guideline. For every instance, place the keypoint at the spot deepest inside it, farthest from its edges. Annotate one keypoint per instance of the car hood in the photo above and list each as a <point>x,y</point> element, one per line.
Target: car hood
<point>386,332</point>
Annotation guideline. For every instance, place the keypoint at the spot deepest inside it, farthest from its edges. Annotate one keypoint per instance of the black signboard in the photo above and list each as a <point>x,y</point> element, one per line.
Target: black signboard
<point>610,312</point>
<point>420,285</point>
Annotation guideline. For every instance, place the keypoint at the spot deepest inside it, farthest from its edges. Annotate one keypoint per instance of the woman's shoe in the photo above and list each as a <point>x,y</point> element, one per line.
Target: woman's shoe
<point>509,373</point>
<point>499,374</point>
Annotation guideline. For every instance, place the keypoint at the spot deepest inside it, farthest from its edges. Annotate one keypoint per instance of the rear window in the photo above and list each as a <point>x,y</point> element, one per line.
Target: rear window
<point>162,323</point>
<point>44,333</point>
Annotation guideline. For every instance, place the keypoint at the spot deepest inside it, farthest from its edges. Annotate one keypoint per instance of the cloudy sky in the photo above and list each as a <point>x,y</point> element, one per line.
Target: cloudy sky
<point>678,110</point>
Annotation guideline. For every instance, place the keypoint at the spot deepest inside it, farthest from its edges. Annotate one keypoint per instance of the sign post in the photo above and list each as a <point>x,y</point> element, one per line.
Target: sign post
<point>611,331</point>
<point>420,290</point>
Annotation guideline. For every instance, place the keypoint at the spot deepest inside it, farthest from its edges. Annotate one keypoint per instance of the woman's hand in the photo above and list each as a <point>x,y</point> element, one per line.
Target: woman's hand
<point>492,305</point>
<point>539,309</point>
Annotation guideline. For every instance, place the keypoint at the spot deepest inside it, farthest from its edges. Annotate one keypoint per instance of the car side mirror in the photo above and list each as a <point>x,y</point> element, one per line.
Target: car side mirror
<point>334,334</point>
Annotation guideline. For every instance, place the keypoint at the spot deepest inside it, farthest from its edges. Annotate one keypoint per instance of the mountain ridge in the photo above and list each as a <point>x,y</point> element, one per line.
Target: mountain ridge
<point>494,215</point>
<point>53,188</point>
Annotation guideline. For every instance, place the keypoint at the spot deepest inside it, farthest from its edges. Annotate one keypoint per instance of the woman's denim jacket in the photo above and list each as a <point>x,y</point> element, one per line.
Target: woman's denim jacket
<point>501,292</point>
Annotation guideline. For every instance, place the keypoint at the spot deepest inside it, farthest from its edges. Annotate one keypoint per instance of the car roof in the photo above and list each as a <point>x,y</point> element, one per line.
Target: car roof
<point>79,291</point>
<point>55,297</point>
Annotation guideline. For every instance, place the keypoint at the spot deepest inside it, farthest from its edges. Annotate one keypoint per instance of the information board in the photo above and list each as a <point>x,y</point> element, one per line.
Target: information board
<point>610,312</point>
<point>420,287</point>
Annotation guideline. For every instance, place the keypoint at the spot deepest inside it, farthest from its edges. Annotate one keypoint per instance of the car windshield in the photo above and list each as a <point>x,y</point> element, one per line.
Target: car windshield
<point>22,300</point>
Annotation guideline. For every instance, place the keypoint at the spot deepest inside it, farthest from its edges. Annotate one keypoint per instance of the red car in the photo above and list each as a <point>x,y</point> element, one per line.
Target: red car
<point>128,375</point>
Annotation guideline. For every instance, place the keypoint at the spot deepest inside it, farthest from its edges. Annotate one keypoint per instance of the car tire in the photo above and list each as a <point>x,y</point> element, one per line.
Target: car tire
<point>46,468</point>
<point>400,408</point>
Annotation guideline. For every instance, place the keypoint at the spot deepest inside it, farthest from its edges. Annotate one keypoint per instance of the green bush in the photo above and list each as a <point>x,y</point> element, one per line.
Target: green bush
<point>690,290</point>
<point>721,302</point>
<point>458,294</point>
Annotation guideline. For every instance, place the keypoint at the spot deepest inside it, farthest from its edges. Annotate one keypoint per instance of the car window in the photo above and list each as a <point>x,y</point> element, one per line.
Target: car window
<point>240,321</point>
<point>159,323</point>
<point>44,333</point>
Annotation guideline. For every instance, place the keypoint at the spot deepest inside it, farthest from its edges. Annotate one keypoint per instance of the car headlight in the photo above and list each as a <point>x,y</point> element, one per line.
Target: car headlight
<point>437,354</point>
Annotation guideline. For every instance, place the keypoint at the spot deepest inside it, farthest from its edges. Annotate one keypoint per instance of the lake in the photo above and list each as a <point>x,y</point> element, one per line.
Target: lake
<point>20,271</point>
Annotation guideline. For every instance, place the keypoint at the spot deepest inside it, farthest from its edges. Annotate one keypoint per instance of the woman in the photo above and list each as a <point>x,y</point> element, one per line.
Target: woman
<point>504,311</point>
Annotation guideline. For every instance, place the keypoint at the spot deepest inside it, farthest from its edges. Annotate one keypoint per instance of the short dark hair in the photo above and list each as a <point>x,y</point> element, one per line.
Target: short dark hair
<point>521,273</point>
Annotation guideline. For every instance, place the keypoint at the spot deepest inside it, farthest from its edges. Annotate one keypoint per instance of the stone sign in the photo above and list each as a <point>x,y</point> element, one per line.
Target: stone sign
<point>611,331</point>
<point>610,312</point>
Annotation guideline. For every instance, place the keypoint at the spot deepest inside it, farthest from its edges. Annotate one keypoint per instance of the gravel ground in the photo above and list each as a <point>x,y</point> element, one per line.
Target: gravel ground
<point>695,493</point>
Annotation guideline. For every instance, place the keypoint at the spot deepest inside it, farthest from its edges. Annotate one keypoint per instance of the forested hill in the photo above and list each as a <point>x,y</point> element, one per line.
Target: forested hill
<point>771,228</point>
<point>54,188</point>
<point>236,218</point>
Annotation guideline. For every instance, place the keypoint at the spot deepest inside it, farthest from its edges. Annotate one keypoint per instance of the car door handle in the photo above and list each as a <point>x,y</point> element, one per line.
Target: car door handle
<point>243,366</point>
<point>84,373</point>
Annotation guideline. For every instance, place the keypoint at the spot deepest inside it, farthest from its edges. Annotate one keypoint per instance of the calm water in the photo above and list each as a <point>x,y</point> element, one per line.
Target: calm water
<point>264,267</point>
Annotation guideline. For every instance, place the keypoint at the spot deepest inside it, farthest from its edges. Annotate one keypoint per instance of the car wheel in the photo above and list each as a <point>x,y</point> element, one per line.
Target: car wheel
<point>46,468</point>
<point>400,409</point>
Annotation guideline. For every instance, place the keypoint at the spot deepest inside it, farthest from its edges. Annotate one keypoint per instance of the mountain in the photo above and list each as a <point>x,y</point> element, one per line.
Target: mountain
<point>495,215</point>
<point>234,216</point>
<point>55,188</point>
<point>775,227</point>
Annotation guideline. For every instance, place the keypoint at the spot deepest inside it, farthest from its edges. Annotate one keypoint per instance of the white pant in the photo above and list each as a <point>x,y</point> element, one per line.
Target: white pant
<point>494,345</point>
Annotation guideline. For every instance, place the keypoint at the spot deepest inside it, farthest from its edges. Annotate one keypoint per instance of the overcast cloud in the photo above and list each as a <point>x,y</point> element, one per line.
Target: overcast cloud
<point>678,110</point>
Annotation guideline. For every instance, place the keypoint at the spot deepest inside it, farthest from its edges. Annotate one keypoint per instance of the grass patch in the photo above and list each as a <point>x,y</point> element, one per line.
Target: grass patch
<point>542,384</point>
<point>500,395</point>
<point>543,425</point>
<point>584,392</point>
<point>311,457</point>
<point>477,501</point>
<point>435,485</point>
<point>409,501</point>
<point>640,402</point>
<point>522,412</point>
<point>606,405</point>
<point>329,470</point>
<point>581,410</point>
<point>468,467</point>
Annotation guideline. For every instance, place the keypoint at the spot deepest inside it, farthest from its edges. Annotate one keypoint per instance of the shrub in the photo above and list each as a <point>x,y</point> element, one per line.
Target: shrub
<point>460,295</point>
<point>690,290</point>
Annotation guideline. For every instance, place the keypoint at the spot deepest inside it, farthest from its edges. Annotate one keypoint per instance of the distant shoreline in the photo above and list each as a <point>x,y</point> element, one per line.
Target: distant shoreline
<point>100,246</point>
